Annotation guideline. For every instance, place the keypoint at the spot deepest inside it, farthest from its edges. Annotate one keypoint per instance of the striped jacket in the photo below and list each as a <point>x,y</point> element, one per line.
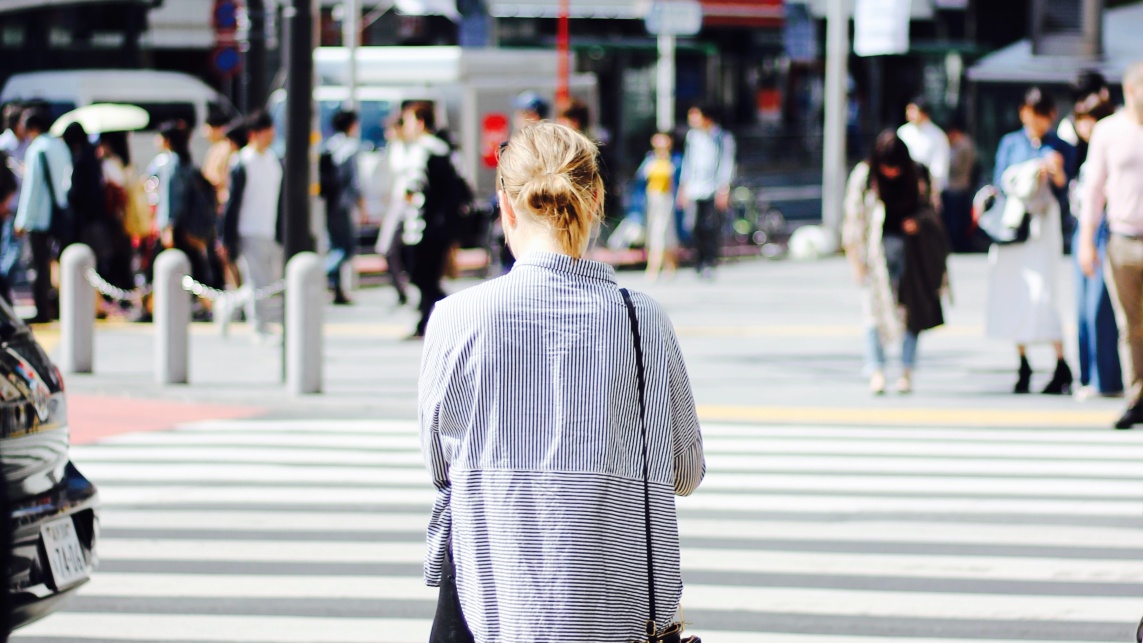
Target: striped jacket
<point>529,422</point>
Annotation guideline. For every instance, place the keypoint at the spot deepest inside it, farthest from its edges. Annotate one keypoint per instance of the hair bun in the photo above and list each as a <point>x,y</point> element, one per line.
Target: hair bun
<point>549,192</point>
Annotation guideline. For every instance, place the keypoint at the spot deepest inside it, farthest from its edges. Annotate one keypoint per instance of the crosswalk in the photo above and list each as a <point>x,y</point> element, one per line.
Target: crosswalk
<point>290,531</point>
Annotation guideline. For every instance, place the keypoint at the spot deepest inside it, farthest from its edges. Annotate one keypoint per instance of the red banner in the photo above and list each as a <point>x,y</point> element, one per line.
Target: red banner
<point>743,13</point>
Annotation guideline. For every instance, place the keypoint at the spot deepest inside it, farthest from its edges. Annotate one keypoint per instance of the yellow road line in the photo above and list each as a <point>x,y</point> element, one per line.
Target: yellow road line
<point>907,417</point>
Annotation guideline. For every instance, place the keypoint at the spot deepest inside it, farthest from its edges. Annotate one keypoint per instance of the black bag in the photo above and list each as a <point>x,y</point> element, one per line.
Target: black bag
<point>673,632</point>
<point>329,184</point>
<point>198,217</point>
<point>61,225</point>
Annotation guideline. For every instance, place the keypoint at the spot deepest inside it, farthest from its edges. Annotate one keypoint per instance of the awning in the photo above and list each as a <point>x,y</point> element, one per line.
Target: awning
<point>1016,63</point>
<point>919,10</point>
<point>745,13</point>
<point>626,9</point>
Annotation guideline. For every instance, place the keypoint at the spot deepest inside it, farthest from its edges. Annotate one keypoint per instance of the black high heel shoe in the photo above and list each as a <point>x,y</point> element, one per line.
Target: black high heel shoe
<point>1061,383</point>
<point>1024,383</point>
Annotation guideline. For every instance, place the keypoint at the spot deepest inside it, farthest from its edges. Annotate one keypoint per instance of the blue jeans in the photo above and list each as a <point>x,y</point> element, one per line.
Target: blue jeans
<point>1098,332</point>
<point>894,247</point>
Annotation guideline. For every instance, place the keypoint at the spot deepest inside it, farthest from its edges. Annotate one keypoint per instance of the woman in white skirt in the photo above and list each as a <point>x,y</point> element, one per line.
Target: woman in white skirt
<point>1031,169</point>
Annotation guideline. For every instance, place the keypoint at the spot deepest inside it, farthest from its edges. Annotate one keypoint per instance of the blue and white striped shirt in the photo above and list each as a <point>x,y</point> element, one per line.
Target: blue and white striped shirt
<point>529,418</point>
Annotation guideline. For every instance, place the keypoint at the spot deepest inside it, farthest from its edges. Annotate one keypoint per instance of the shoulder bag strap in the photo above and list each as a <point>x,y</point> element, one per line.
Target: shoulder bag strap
<point>48,177</point>
<point>646,472</point>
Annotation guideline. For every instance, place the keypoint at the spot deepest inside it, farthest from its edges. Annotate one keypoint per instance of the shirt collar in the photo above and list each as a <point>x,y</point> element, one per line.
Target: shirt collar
<point>567,265</point>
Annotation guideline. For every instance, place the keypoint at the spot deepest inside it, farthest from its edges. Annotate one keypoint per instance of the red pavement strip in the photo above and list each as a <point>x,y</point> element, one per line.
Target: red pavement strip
<point>93,417</point>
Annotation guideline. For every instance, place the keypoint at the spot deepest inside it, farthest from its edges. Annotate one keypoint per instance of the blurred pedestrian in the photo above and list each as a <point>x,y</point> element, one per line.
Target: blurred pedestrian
<point>14,143</point>
<point>1032,170</point>
<point>250,225</point>
<point>8,187</point>
<point>236,138</point>
<point>251,230</point>
<point>532,424</point>
<point>1090,87</point>
<point>928,144</point>
<point>1101,372</point>
<point>708,169</point>
<point>127,212</point>
<point>956,200</point>
<point>529,108</point>
<point>431,188</point>
<point>216,164</point>
<point>662,239</point>
<point>87,198</point>
<point>389,243</point>
<point>1114,180</point>
<point>575,115</point>
<point>341,190</point>
<point>42,213</point>
<point>895,244</point>
<point>174,217</point>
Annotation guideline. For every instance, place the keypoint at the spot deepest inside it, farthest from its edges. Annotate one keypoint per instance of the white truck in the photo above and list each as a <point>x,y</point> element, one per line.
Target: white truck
<point>472,90</point>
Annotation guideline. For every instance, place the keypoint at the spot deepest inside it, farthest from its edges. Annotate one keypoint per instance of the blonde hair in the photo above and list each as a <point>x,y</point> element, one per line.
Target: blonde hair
<point>550,174</point>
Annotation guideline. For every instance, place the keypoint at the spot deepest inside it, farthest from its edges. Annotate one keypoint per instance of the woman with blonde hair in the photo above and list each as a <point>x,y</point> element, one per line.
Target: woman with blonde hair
<point>555,513</point>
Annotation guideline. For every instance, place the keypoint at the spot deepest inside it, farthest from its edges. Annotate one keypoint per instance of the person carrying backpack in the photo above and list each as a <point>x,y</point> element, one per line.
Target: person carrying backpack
<point>185,212</point>
<point>341,190</point>
<point>436,192</point>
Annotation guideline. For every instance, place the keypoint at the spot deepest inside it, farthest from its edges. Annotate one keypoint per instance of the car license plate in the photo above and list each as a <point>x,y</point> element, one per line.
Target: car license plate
<point>65,556</point>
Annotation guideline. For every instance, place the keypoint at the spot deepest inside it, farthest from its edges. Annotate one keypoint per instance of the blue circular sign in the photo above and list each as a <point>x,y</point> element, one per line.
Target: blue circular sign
<point>227,60</point>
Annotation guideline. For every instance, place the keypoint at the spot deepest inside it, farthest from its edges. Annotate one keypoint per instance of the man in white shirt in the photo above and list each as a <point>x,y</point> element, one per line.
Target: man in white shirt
<point>927,143</point>
<point>251,224</point>
<point>708,169</point>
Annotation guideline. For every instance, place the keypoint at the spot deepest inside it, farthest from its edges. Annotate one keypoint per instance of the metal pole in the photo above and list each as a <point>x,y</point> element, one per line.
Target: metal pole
<point>351,36</point>
<point>254,74</point>
<point>833,157</point>
<point>77,309</point>
<point>665,91</point>
<point>299,122</point>
<point>563,41</point>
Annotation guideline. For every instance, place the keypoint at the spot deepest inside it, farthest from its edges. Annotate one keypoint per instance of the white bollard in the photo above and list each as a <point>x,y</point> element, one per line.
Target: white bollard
<point>172,311</point>
<point>77,309</point>
<point>305,309</point>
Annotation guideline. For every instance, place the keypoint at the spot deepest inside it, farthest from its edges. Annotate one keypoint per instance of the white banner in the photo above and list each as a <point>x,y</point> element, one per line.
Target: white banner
<point>881,27</point>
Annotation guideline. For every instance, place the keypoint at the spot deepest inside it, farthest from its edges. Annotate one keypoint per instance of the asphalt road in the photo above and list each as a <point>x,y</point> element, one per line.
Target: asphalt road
<point>958,513</point>
<point>312,530</point>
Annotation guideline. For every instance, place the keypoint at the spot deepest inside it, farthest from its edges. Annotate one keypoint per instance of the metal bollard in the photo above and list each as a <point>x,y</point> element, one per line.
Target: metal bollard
<point>172,311</point>
<point>77,310</point>
<point>305,309</point>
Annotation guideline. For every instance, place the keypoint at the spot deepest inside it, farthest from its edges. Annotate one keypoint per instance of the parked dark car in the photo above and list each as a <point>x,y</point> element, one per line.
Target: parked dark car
<point>51,507</point>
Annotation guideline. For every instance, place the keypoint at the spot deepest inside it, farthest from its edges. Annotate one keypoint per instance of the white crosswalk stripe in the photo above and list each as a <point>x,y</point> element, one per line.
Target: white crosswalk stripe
<point>312,530</point>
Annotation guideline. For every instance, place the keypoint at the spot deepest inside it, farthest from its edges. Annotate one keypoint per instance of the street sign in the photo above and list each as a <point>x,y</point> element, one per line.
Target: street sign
<point>674,18</point>
<point>226,60</point>
<point>881,27</point>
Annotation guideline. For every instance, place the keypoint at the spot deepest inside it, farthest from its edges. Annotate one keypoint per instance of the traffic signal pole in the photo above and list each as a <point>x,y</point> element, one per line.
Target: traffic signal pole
<point>299,23</point>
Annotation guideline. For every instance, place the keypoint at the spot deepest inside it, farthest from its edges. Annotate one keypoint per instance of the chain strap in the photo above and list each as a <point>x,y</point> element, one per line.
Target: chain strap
<point>108,289</point>
<point>233,297</point>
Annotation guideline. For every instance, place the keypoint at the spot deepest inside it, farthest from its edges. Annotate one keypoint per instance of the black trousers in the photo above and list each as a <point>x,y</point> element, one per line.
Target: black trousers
<point>426,269</point>
<point>449,625</point>
<point>42,293</point>
<point>708,233</point>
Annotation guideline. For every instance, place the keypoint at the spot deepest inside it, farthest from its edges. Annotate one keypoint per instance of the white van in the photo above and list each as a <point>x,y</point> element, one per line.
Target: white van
<point>165,95</point>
